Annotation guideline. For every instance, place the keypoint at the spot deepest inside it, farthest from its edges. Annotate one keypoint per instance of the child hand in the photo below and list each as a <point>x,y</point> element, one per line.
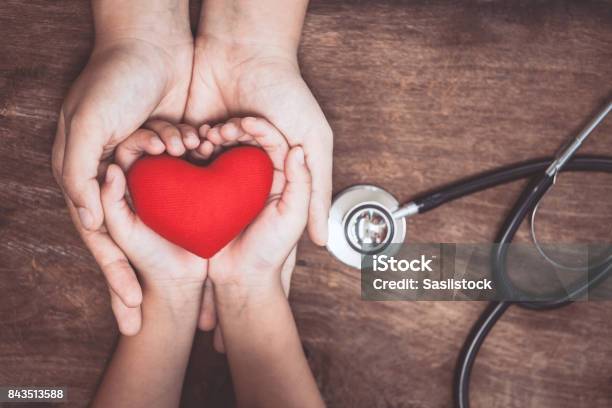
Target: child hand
<point>259,331</point>
<point>250,266</point>
<point>157,137</point>
<point>166,269</point>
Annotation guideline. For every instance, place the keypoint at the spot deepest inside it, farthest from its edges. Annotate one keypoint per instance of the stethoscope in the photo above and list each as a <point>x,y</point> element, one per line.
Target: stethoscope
<point>365,220</point>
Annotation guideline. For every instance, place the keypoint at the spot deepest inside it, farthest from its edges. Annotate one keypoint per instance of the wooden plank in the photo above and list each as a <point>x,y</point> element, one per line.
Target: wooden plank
<point>418,93</point>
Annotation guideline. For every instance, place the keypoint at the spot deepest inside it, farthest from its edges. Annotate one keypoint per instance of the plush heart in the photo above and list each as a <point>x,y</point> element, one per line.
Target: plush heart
<point>201,208</point>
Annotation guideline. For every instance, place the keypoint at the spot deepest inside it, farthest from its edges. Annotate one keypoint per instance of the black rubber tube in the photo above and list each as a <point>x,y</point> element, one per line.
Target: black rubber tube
<point>507,174</point>
<point>532,194</point>
<point>525,204</point>
<point>471,346</point>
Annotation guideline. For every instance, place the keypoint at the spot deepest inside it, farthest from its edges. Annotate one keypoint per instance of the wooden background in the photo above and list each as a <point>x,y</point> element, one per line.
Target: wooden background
<point>418,93</point>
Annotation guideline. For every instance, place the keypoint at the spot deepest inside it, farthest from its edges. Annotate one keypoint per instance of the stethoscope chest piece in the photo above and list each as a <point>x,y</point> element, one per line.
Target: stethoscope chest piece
<point>361,223</point>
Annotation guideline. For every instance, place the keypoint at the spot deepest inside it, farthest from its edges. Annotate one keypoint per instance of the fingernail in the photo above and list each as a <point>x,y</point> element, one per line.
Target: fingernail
<point>192,137</point>
<point>157,144</point>
<point>86,217</point>
<point>299,155</point>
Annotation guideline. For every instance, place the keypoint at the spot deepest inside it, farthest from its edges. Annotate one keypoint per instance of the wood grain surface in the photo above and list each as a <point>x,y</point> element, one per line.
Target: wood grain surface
<point>418,93</point>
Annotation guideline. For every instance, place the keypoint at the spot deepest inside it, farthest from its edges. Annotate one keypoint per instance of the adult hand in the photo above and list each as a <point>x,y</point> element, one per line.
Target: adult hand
<point>248,79</point>
<point>140,68</point>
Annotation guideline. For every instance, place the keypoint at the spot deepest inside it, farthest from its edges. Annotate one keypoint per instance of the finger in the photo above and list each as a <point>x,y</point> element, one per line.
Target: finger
<point>208,313</point>
<point>57,153</point>
<point>126,293</point>
<point>214,135</point>
<point>293,203</point>
<point>114,265</point>
<point>206,149</point>
<point>120,220</point>
<point>203,131</point>
<point>129,319</point>
<point>319,159</point>
<point>112,261</point>
<point>278,184</point>
<point>287,271</point>
<point>169,134</point>
<point>138,143</point>
<point>141,245</point>
<point>274,144</point>
<point>83,151</point>
<point>269,138</point>
<point>231,131</point>
<point>189,135</point>
<point>218,342</point>
<point>197,156</point>
<point>214,141</point>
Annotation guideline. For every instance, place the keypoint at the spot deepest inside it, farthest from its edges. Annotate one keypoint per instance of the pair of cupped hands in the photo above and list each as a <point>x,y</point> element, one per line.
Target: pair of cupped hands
<point>135,80</point>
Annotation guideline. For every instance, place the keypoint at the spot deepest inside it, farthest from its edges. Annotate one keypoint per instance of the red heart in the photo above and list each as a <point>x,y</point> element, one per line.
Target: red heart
<point>201,208</point>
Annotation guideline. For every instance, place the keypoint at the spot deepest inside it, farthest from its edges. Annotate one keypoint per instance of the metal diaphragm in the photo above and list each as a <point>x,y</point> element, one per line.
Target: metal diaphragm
<point>361,223</point>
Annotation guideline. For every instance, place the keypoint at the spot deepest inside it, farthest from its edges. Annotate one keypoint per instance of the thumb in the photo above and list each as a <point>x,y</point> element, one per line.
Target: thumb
<point>143,247</point>
<point>84,149</point>
<point>116,208</point>
<point>294,201</point>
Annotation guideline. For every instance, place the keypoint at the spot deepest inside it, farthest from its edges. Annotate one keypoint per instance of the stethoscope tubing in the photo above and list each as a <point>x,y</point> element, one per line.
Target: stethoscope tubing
<point>525,205</point>
<point>469,351</point>
<point>531,196</point>
<point>435,198</point>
